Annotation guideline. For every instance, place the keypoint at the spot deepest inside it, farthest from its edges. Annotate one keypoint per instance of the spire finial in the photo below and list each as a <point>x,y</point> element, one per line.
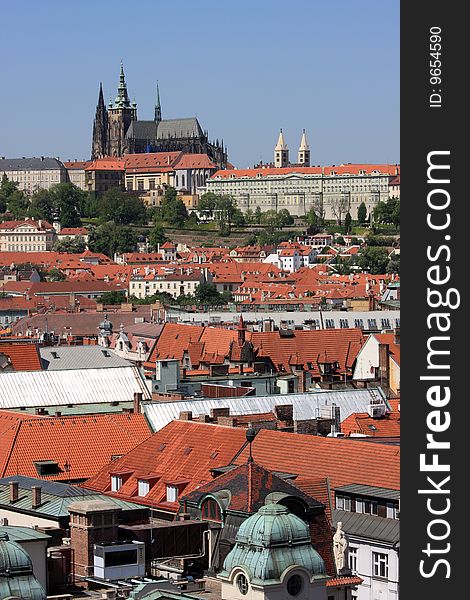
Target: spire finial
<point>158,106</point>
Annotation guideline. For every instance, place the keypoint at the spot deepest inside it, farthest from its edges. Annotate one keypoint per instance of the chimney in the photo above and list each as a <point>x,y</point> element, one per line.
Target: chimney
<point>384,364</point>
<point>36,496</point>
<point>220,412</point>
<point>185,415</point>
<point>137,401</point>
<point>14,492</point>
<point>396,337</point>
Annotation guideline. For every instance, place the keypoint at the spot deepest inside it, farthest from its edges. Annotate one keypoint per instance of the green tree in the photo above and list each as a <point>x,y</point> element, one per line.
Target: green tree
<point>225,209</point>
<point>18,204</point>
<point>284,218</point>
<point>393,265</point>
<point>113,297</point>
<point>7,188</point>
<point>67,200</point>
<point>157,236</point>
<point>173,209</point>
<point>208,203</point>
<point>238,218</point>
<point>121,208</point>
<point>68,244</point>
<point>258,215</point>
<point>206,294</point>
<point>388,212</point>
<point>315,222</point>
<point>347,223</point>
<point>373,259</point>
<point>55,274</point>
<point>42,206</point>
<point>362,213</point>
<point>110,238</point>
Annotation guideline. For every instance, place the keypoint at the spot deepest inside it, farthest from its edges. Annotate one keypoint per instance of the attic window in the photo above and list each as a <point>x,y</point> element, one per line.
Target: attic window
<point>47,467</point>
<point>143,487</point>
<point>187,451</point>
<point>116,483</point>
<point>171,493</point>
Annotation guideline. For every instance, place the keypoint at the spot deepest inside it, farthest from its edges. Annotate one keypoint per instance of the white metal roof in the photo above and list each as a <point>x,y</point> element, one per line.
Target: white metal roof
<point>306,406</point>
<point>74,386</point>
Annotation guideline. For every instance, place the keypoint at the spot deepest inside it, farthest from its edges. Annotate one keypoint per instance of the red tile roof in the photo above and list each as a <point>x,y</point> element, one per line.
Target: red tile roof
<point>213,446</point>
<point>143,162</point>
<point>194,161</point>
<point>77,164</point>
<point>363,423</point>
<point>85,443</point>
<point>73,231</point>
<point>23,357</point>
<point>106,164</point>
<point>43,225</point>
<point>394,349</point>
<point>351,169</point>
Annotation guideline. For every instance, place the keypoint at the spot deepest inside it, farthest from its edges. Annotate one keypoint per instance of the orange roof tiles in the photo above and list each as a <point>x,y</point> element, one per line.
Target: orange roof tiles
<point>394,349</point>
<point>106,164</point>
<point>364,424</point>
<point>194,161</point>
<point>310,457</point>
<point>350,169</point>
<point>23,357</point>
<point>84,443</point>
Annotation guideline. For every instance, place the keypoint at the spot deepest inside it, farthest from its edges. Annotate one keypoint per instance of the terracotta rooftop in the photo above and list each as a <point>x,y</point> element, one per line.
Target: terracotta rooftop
<point>80,445</point>
<point>23,357</point>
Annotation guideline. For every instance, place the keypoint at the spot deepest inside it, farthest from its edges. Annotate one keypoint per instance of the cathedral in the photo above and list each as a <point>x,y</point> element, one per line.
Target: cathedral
<point>117,131</point>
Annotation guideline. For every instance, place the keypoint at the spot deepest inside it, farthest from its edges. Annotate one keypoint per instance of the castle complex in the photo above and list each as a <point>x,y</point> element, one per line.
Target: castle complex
<point>117,131</point>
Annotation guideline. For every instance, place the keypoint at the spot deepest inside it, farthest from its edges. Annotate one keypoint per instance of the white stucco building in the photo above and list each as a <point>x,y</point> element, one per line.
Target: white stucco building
<point>27,235</point>
<point>33,174</point>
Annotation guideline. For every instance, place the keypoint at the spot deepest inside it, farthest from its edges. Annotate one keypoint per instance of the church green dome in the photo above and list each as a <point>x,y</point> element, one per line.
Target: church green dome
<point>16,572</point>
<point>270,542</point>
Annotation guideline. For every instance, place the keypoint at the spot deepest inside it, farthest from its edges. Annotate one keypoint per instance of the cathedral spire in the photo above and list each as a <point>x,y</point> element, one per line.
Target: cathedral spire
<point>122,98</point>
<point>158,107</point>
<point>99,147</point>
<point>304,151</point>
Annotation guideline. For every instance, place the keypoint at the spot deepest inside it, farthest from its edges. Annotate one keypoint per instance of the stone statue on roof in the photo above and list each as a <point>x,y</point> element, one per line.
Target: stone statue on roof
<point>340,549</point>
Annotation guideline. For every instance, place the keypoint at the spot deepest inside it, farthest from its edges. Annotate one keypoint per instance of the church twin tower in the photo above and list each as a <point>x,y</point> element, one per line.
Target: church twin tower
<point>281,152</point>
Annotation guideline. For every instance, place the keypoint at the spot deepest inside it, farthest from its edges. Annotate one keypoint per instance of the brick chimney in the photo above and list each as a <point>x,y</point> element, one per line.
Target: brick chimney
<point>219,412</point>
<point>384,364</point>
<point>14,491</point>
<point>284,412</point>
<point>137,401</point>
<point>186,415</point>
<point>36,496</point>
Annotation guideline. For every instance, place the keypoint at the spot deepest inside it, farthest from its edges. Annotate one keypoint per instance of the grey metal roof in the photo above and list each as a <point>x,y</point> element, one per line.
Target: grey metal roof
<point>306,406</point>
<point>58,358</point>
<point>74,386</point>
<point>23,534</point>
<point>180,128</point>
<point>368,526</point>
<point>142,130</point>
<point>294,318</point>
<point>30,164</point>
<point>369,490</point>
<point>55,497</point>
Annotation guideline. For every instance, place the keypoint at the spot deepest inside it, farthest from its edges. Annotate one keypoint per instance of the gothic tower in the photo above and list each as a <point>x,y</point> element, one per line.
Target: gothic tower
<point>158,107</point>
<point>120,114</point>
<point>304,151</point>
<point>99,146</point>
<point>281,152</point>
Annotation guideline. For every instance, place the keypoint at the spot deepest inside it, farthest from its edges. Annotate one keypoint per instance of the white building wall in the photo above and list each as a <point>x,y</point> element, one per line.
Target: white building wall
<point>374,587</point>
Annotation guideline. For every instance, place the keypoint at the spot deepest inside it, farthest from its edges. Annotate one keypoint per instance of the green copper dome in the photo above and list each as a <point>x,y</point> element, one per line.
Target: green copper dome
<point>270,542</point>
<point>16,572</point>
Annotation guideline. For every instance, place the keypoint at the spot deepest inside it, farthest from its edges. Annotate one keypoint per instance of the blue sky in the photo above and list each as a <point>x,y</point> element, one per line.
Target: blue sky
<point>245,68</point>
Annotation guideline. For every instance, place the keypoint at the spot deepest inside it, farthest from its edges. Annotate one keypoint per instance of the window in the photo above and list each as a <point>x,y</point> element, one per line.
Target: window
<point>329,323</point>
<point>353,559</point>
<point>366,506</point>
<point>171,493</point>
<point>294,585</point>
<point>211,511</point>
<point>116,483</point>
<point>372,323</point>
<point>386,323</point>
<point>343,502</point>
<point>343,323</point>
<point>380,564</point>
<point>392,510</point>
<point>359,323</point>
<point>242,584</point>
<point>143,487</point>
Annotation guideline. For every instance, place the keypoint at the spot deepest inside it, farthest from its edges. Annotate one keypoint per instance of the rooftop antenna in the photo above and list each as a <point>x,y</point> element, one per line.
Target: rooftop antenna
<point>250,436</point>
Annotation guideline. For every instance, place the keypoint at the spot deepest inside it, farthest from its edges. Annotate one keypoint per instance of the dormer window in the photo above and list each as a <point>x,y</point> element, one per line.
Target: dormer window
<point>143,487</point>
<point>116,483</point>
<point>171,493</point>
<point>211,510</point>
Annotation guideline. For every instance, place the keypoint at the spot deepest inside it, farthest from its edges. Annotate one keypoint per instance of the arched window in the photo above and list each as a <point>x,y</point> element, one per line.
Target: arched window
<point>211,510</point>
